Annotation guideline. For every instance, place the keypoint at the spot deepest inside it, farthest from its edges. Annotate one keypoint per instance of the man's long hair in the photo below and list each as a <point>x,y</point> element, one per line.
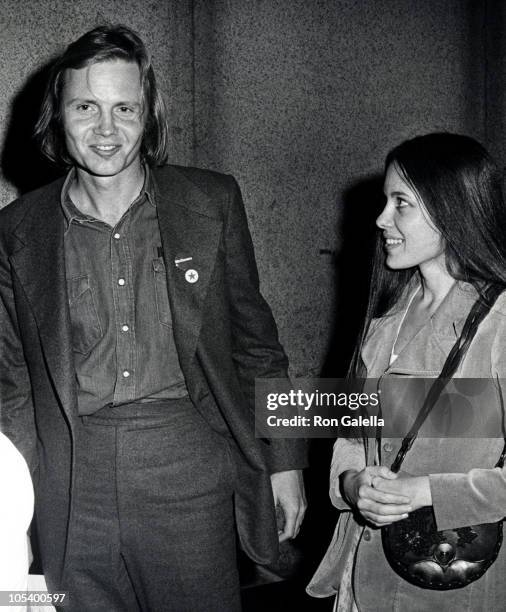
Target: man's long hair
<point>461,189</point>
<point>102,44</point>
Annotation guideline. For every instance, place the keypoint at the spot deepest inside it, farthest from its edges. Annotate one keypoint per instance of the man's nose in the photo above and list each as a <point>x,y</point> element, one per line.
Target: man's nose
<point>106,124</point>
<point>385,218</point>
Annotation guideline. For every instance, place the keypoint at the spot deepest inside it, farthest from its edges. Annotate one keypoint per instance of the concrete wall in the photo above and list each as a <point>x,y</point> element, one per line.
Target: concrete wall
<point>300,100</point>
<point>495,78</point>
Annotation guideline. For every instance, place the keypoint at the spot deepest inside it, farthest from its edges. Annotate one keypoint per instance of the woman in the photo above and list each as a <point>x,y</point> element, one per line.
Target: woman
<point>442,242</point>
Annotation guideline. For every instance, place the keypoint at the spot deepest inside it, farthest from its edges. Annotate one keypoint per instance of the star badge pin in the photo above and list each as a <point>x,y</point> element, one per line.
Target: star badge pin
<point>192,276</point>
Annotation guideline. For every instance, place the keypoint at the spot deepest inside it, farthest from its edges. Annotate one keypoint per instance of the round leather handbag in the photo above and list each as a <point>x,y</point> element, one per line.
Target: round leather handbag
<point>442,560</point>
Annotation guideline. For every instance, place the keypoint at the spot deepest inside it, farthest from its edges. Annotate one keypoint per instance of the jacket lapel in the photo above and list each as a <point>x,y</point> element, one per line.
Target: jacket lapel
<point>40,267</point>
<point>425,353</point>
<point>190,227</point>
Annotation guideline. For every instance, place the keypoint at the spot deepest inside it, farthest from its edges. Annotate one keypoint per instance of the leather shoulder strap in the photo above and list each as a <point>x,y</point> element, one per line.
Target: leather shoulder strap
<point>476,315</point>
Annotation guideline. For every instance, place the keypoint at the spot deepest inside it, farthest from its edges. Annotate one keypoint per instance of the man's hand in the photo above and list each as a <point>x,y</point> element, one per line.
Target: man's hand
<point>379,506</point>
<point>288,491</point>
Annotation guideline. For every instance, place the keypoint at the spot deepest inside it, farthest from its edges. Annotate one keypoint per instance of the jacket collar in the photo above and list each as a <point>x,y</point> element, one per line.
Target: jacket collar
<point>425,353</point>
<point>449,318</point>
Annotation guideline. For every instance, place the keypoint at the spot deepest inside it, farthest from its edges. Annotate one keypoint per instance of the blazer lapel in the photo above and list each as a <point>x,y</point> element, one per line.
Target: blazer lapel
<point>190,228</point>
<point>426,352</point>
<point>40,267</point>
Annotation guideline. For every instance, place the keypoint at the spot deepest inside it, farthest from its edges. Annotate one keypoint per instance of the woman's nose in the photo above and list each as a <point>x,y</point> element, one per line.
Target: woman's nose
<point>385,218</point>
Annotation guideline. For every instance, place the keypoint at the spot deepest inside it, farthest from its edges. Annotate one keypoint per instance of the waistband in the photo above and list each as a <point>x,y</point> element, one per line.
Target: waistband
<point>140,410</point>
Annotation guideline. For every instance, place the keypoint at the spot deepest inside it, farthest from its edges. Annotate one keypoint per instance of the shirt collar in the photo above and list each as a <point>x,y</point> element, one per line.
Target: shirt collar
<point>149,187</point>
<point>71,212</point>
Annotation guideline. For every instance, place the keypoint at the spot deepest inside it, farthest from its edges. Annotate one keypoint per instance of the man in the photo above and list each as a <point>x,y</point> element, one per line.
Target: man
<point>131,332</point>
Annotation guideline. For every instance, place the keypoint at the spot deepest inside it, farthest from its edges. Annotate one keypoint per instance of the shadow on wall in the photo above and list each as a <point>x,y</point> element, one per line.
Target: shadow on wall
<point>362,203</point>
<point>22,163</point>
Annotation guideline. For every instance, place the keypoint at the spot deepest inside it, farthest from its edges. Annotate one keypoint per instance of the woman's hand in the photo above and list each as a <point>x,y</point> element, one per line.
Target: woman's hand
<point>379,507</point>
<point>416,488</point>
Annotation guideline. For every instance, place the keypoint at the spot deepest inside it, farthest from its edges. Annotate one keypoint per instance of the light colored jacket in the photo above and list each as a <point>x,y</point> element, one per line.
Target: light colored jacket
<point>466,488</point>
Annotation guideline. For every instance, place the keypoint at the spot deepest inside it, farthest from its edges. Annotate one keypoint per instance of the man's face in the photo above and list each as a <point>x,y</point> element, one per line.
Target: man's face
<point>103,117</point>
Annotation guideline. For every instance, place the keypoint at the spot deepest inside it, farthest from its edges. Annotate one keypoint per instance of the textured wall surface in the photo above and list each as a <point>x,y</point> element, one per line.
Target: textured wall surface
<point>300,100</point>
<point>495,78</point>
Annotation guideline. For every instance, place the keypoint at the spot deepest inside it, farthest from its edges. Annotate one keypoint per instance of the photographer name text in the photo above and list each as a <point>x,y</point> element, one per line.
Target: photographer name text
<point>317,420</point>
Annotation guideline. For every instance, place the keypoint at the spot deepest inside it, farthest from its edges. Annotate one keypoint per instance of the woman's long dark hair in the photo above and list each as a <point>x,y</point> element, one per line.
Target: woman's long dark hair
<point>461,188</point>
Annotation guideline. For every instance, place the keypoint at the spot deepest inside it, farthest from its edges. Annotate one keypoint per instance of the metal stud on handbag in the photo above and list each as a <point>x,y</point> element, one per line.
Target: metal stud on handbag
<point>415,549</point>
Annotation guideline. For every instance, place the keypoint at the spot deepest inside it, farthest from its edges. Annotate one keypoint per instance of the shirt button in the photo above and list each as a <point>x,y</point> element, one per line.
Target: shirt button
<point>121,281</point>
<point>388,447</point>
<point>116,236</point>
<point>126,373</point>
<point>367,535</point>
<point>124,328</point>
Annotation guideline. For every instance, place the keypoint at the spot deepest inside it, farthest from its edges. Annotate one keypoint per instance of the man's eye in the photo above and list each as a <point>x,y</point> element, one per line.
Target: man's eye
<point>125,110</point>
<point>84,108</point>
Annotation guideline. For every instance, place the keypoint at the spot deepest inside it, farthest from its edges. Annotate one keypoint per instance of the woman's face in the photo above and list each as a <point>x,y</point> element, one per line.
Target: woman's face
<point>410,238</point>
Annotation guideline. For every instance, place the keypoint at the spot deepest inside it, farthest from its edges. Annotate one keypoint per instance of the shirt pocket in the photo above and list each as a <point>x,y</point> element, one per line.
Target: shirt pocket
<point>161,293</point>
<point>86,328</point>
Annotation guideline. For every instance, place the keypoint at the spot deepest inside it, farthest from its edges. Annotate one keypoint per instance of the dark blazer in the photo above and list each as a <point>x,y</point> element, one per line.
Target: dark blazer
<point>223,329</point>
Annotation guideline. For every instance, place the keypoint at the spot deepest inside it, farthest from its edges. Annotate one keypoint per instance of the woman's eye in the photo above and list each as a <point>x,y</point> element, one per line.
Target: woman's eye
<point>84,108</point>
<point>125,110</point>
<point>400,203</point>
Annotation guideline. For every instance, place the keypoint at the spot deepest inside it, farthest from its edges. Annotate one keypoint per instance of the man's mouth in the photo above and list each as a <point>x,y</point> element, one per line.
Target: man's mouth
<point>105,148</point>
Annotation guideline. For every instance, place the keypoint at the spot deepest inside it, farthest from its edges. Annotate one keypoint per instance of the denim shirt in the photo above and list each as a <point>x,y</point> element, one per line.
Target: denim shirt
<point>122,335</point>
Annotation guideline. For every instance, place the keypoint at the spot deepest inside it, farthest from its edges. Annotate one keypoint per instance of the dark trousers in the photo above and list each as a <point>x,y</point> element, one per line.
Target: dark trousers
<point>152,526</point>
